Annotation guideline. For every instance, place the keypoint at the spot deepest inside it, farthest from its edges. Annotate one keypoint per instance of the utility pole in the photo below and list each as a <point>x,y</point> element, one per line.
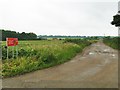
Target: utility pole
<point>118,14</point>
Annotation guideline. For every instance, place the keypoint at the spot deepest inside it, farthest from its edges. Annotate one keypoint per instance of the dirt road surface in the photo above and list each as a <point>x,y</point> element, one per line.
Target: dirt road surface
<point>96,67</point>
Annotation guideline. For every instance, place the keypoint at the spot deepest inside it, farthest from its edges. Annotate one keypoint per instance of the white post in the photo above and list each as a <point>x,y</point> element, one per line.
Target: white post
<point>7,52</point>
<point>7,48</point>
<point>13,51</point>
<point>16,51</point>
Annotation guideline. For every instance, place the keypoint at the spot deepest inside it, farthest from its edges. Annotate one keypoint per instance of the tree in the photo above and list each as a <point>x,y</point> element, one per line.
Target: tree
<point>20,36</point>
<point>116,20</point>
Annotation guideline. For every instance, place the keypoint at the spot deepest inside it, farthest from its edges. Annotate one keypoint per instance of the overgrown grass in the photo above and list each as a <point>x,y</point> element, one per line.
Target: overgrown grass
<point>112,42</point>
<point>34,55</point>
<point>80,42</point>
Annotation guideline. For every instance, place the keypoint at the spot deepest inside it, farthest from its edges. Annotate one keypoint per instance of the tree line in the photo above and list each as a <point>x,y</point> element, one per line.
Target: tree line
<point>20,36</point>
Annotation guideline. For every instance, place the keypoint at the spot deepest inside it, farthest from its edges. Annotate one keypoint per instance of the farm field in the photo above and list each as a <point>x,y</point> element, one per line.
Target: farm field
<point>34,55</point>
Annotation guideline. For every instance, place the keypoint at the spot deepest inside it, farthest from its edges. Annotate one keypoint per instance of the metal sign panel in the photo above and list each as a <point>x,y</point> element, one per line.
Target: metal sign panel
<point>12,41</point>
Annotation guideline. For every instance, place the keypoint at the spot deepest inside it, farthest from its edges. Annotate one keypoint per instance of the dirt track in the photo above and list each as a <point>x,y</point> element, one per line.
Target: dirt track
<point>96,67</point>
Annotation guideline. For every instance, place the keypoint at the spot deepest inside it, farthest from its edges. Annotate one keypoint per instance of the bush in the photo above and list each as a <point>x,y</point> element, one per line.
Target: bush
<point>40,55</point>
<point>81,42</point>
<point>112,42</point>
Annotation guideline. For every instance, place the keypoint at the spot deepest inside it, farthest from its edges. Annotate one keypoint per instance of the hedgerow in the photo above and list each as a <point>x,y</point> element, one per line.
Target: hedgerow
<point>113,42</point>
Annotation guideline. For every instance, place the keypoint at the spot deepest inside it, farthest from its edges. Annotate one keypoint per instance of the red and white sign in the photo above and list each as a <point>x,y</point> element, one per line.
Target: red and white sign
<point>12,41</point>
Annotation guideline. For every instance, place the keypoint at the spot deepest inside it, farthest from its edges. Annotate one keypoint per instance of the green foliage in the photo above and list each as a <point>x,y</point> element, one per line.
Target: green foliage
<point>34,55</point>
<point>116,20</point>
<point>81,42</point>
<point>112,42</point>
<point>20,36</point>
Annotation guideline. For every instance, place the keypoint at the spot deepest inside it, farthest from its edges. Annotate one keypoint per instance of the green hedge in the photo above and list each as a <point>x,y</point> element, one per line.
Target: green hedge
<point>113,42</point>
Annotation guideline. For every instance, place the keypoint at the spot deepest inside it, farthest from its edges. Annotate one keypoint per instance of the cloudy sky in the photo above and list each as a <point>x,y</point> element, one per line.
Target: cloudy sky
<point>59,17</point>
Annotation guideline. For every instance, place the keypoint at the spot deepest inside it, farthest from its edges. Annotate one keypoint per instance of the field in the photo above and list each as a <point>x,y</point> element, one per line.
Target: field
<point>34,55</point>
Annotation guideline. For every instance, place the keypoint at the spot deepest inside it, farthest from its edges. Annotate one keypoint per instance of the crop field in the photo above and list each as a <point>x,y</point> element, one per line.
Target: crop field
<point>39,54</point>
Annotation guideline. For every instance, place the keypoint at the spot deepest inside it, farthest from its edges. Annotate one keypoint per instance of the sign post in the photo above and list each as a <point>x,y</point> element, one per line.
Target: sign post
<point>12,42</point>
<point>16,52</point>
<point>13,51</point>
<point>7,48</point>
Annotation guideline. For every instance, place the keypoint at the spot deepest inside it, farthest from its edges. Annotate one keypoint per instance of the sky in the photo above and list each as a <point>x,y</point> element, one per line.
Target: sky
<point>59,17</point>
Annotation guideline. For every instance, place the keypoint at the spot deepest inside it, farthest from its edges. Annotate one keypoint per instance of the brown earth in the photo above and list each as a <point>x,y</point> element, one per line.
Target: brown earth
<point>96,67</point>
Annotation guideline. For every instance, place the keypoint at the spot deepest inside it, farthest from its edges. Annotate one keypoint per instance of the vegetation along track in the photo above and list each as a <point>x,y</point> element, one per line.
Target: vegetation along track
<point>96,67</point>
